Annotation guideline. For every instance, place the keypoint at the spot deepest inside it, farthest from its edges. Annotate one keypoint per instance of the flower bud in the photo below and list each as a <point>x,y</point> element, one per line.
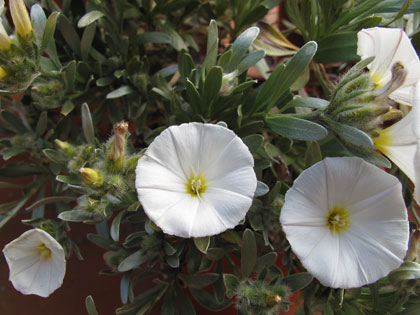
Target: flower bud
<point>91,177</point>
<point>116,153</point>
<point>4,38</point>
<point>413,253</point>
<point>3,73</point>
<point>20,17</point>
<point>272,299</point>
<point>65,147</point>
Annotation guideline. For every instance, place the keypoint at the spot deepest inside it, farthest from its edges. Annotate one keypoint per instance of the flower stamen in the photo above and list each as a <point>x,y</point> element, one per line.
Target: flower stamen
<point>196,185</point>
<point>337,220</point>
<point>43,251</point>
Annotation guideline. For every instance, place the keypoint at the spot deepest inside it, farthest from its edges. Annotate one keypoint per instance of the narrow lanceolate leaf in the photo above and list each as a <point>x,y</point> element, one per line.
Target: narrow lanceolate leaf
<point>231,283</point>
<point>89,18</point>
<point>202,244</point>
<point>39,20</point>
<point>337,48</point>
<point>212,46</point>
<point>241,45</point>
<point>213,82</point>
<point>87,124</point>
<point>115,226</point>
<point>350,134</point>
<point>297,281</point>
<point>250,60</point>
<point>285,75</point>
<point>248,253</point>
<point>49,30</point>
<point>90,306</point>
<point>199,280</point>
<point>120,92</point>
<point>311,102</point>
<point>313,154</point>
<point>132,261</point>
<point>262,189</point>
<point>296,128</point>
<point>154,37</point>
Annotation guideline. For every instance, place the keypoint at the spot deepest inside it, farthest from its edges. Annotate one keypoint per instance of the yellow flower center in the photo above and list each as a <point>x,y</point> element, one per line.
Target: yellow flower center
<point>337,220</point>
<point>43,251</point>
<point>196,185</point>
<point>377,80</point>
<point>382,141</point>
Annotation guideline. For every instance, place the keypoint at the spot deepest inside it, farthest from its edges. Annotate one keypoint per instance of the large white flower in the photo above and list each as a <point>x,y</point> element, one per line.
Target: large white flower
<point>388,46</point>
<point>400,142</point>
<point>36,262</point>
<point>196,180</point>
<point>346,221</point>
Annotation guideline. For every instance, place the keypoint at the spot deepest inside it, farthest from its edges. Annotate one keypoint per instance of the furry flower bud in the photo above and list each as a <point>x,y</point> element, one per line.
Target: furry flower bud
<point>3,73</point>
<point>91,177</point>
<point>65,147</point>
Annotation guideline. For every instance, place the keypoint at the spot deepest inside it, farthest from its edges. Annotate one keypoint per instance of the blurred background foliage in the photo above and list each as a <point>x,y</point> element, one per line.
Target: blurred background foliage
<point>92,64</point>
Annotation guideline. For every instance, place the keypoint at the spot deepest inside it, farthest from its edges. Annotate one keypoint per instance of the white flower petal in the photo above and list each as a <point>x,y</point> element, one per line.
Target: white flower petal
<point>401,133</point>
<point>181,155</point>
<point>231,207</point>
<point>155,202</point>
<point>241,181</point>
<point>416,162</point>
<point>234,156</point>
<point>152,173</point>
<point>415,112</point>
<point>29,272</point>
<point>377,232</point>
<point>403,157</point>
<point>313,186</point>
<point>179,218</point>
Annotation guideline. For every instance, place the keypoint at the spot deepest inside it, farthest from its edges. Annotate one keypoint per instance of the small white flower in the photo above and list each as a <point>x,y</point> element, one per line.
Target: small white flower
<point>346,221</point>
<point>196,180</point>
<point>400,142</point>
<point>388,46</point>
<point>36,262</point>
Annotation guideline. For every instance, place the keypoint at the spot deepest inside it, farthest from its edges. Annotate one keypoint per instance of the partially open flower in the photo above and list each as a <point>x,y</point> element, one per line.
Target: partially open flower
<point>196,180</point>
<point>346,221</point>
<point>116,154</point>
<point>389,46</point>
<point>20,17</point>
<point>400,142</point>
<point>36,262</point>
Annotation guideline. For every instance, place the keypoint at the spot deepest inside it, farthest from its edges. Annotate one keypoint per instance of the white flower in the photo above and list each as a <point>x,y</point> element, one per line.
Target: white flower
<point>346,221</point>
<point>196,180</point>
<point>36,262</point>
<point>388,46</point>
<point>400,142</point>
